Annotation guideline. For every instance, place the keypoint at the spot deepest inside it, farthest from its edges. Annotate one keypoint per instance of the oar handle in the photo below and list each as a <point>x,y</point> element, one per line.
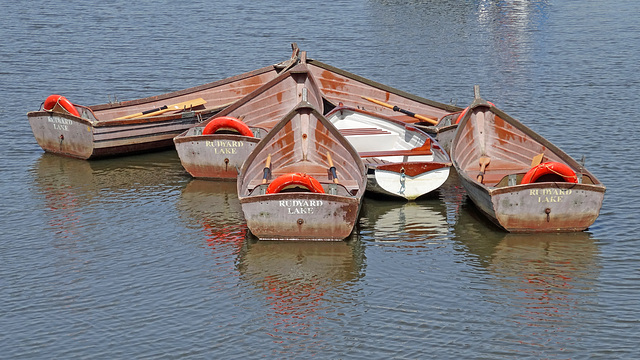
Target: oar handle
<point>332,168</point>
<point>267,169</point>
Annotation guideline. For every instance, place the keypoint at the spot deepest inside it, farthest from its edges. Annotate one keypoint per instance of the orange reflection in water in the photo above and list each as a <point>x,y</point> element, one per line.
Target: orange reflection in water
<point>293,304</point>
<point>224,238</point>
<point>299,280</point>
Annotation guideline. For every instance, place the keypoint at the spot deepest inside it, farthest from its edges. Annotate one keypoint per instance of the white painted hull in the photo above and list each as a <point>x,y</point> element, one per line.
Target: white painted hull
<point>391,183</point>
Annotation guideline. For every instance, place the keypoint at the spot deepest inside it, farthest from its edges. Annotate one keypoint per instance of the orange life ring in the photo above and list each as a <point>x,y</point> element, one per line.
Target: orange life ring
<point>227,122</point>
<point>285,180</point>
<point>462,114</point>
<point>550,167</point>
<point>53,100</point>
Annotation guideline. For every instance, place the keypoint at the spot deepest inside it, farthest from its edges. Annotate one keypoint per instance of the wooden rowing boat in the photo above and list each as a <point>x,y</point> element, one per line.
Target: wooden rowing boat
<point>518,179</point>
<point>218,156</point>
<point>303,181</point>
<point>151,123</point>
<point>402,161</point>
<point>340,86</point>
<point>216,148</point>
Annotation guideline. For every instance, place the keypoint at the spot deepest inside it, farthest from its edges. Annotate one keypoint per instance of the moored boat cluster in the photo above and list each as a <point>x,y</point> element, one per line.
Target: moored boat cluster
<point>304,141</point>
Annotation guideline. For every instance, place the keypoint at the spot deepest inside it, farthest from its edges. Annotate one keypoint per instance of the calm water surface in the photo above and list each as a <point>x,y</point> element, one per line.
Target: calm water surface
<point>131,258</point>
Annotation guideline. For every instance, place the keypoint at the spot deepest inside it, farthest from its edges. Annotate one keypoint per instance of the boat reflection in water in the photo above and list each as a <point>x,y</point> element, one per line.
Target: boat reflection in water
<point>544,283</point>
<point>80,195</point>
<point>416,222</point>
<point>214,208</point>
<point>301,281</point>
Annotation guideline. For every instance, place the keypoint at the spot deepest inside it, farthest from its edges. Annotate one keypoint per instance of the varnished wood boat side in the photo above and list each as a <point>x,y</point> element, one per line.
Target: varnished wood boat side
<point>508,148</point>
<point>302,143</point>
<point>211,156</point>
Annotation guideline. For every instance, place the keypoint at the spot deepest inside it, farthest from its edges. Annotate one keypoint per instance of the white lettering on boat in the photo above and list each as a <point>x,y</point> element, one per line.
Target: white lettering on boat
<point>295,207</point>
<point>60,123</point>
<point>550,195</point>
<point>224,147</point>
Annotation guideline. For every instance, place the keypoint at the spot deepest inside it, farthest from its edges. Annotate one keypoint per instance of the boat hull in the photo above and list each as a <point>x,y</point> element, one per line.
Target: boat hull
<point>146,124</point>
<point>538,207</point>
<point>76,137</point>
<point>408,180</point>
<point>300,216</point>
<point>216,156</point>
<point>443,135</point>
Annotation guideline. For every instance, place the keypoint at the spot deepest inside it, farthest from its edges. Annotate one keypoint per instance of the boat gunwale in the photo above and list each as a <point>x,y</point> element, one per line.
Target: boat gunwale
<point>527,131</point>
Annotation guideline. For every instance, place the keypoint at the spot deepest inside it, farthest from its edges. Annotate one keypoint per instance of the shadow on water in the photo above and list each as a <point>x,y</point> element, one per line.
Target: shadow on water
<point>299,282</point>
<point>546,283</point>
<point>126,173</point>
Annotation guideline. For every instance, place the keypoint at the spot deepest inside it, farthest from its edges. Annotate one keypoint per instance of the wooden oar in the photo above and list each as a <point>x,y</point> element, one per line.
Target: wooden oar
<point>407,112</point>
<point>166,108</point>
<point>484,162</point>
<point>332,168</point>
<point>267,169</point>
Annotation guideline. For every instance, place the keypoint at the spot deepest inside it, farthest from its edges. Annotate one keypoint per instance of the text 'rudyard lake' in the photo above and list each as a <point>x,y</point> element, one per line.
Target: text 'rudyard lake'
<point>550,195</point>
<point>300,206</point>
<point>60,123</point>
<point>224,146</point>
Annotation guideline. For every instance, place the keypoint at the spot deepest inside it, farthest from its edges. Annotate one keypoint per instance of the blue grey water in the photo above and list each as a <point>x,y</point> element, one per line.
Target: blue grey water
<point>131,258</point>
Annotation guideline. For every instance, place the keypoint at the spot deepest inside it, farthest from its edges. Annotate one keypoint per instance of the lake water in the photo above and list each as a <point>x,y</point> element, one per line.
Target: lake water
<point>131,258</point>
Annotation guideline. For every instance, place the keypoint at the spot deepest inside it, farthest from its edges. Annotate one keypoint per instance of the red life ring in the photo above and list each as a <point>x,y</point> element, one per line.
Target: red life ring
<point>550,167</point>
<point>462,114</point>
<point>285,180</point>
<point>53,100</point>
<point>227,123</point>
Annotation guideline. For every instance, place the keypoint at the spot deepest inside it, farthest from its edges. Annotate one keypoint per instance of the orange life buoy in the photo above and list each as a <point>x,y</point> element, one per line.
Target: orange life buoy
<point>550,167</point>
<point>285,180</point>
<point>229,123</point>
<point>53,100</point>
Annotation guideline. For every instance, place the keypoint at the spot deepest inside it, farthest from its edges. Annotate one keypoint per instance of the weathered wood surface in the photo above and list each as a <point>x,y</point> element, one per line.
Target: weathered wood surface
<point>305,142</point>
<point>220,155</point>
<point>121,128</point>
<point>547,205</point>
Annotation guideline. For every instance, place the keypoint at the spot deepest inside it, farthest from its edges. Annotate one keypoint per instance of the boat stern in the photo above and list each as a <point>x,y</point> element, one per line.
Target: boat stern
<point>62,134</point>
<point>547,207</point>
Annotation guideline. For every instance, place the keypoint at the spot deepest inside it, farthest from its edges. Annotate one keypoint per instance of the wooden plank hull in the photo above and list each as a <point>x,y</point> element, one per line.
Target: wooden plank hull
<point>71,136</point>
<point>340,86</point>
<point>493,154</point>
<point>538,207</point>
<point>120,128</point>
<point>218,155</point>
<point>305,145</point>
